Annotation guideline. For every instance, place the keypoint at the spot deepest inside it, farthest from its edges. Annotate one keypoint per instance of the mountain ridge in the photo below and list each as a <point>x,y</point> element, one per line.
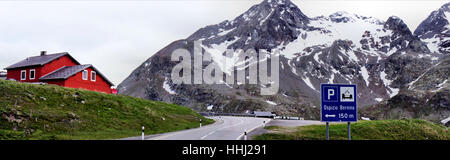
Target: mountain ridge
<point>381,57</point>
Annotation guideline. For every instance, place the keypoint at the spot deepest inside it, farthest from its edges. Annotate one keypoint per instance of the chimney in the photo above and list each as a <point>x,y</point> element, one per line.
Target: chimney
<point>43,53</point>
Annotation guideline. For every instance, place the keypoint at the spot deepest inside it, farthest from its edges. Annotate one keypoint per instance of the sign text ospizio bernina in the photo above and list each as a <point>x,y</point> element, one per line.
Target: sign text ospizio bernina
<point>235,61</point>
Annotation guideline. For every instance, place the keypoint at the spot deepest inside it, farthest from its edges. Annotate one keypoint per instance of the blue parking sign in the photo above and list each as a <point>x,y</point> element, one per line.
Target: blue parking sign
<point>338,103</point>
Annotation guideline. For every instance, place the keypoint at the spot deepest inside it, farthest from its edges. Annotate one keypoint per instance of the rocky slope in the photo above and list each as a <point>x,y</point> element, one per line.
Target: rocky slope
<point>381,57</point>
<point>427,97</point>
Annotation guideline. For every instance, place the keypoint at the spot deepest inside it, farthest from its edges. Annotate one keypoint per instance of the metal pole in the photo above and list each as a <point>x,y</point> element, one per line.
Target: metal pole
<point>328,134</point>
<point>349,131</point>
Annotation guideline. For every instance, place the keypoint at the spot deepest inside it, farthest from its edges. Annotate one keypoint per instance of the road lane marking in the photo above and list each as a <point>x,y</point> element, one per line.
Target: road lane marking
<point>241,121</point>
<point>240,136</point>
<point>183,131</point>
<point>219,123</point>
<point>208,135</point>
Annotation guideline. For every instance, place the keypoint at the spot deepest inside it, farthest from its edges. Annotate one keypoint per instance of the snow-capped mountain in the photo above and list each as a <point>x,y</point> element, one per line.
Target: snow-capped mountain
<point>381,57</point>
<point>435,30</point>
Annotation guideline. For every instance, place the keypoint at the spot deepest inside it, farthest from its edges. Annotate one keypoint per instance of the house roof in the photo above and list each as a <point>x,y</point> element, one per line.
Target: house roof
<point>39,60</point>
<point>68,71</point>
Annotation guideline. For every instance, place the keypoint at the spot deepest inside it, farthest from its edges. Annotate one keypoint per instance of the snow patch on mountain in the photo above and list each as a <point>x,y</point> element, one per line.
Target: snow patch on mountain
<point>217,50</point>
<point>225,32</point>
<point>392,91</point>
<point>340,25</point>
<point>331,80</point>
<point>440,86</point>
<point>378,99</point>
<point>350,54</point>
<point>265,19</point>
<point>293,70</point>
<point>365,75</point>
<point>166,87</point>
<point>308,82</point>
<point>271,102</point>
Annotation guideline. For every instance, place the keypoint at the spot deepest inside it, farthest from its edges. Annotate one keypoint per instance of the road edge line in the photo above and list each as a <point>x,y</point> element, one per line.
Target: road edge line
<point>240,136</point>
<point>168,134</point>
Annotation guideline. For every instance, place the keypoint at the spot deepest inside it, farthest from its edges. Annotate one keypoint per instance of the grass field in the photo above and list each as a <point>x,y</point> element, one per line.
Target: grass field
<point>30,111</point>
<point>412,129</point>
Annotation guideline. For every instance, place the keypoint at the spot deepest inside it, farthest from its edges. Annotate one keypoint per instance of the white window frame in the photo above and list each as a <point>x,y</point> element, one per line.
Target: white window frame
<point>93,78</point>
<point>34,73</point>
<point>82,75</point>
<point>24,77</point>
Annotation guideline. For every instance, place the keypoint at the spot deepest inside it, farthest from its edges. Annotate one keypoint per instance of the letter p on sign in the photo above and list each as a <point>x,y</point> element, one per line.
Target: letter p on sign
<point>330,93</point>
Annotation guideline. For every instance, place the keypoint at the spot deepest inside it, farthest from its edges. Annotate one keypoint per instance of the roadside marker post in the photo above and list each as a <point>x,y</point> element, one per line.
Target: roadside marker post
<point>338,104</point>
<point>245,134</point>
<point>200,123</point>
<point>143,133</point>
<point>264,124</point>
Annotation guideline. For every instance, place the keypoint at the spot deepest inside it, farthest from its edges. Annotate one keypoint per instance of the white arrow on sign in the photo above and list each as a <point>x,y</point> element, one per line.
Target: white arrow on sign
<point>330,115</point>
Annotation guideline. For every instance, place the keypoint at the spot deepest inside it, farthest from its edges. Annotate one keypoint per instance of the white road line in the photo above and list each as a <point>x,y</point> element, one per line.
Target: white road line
<point>218,123</point>
<point>208,135</point>
<point>241,121</point>
<point>179,132</point>
<point>240,136</point>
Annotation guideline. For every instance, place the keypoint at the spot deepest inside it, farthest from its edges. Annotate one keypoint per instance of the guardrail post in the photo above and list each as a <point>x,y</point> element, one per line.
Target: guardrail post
<point>143,133</point>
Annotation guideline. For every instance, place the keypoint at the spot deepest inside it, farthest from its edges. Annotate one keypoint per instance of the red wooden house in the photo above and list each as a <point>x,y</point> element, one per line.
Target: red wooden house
<point>59,69</point>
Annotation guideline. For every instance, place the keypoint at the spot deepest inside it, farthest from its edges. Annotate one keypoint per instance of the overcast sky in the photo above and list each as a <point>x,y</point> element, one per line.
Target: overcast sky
<point>117,36</point>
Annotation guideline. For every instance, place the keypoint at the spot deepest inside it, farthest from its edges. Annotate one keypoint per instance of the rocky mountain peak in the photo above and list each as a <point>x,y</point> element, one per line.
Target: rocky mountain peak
<point>265,25</point>
<point>435,30</point>
<point>436,22</point>
<point>342,16</point>
<point>382,57</point>
<point>396,24</point>
<point>402,36</point>
<point>446,6</point>
<point>283,10</point>
<point>277,2</point>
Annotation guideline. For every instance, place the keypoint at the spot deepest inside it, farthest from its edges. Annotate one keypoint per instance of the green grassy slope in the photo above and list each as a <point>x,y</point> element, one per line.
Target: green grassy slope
<point>30,111</point>
<point>364,130</point>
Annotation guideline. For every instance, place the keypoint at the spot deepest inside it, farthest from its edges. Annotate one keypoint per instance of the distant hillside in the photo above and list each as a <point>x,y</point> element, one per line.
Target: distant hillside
<point>364,130</point>
<point>30,111</point>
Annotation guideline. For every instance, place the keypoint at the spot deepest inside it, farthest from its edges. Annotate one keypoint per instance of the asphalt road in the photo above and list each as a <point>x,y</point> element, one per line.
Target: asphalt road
<point>225,128</point>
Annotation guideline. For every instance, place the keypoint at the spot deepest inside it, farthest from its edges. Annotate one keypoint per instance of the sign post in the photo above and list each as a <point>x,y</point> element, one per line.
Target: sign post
<point>349,132</point>
<point>338,104</point>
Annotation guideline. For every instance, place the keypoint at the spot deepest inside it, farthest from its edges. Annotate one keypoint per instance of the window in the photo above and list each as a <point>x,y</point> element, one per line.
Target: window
<point>32,73</point>
<point>85,75</point>
<point>93,74</point>
<point>23,75</point>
